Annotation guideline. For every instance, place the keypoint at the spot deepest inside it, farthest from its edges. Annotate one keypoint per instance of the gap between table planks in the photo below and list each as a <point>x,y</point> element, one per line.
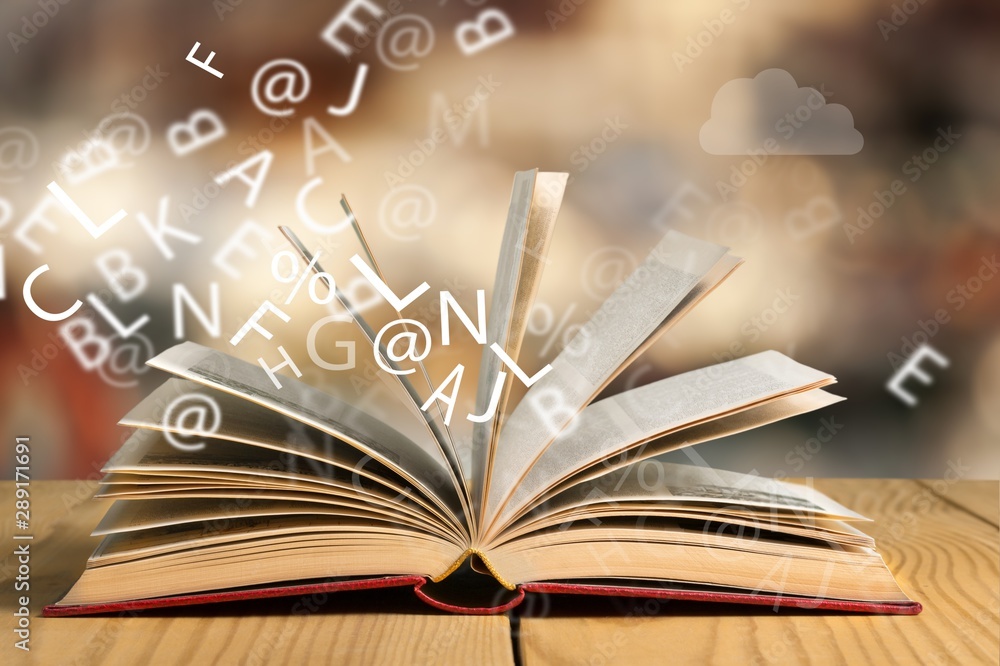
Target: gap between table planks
<point>939,538</point>
<point>369,627</point>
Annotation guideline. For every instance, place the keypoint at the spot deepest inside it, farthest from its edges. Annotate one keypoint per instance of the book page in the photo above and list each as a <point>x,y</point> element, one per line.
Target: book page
<point>712,279</point>
<point>250,424</point>
<point>770,411</point>
<point>601,510</point>
<point>303,403</point>
<point>665,552</point>
<point>226,509</point>
<point>534,205</point>
<point>612,425</point>
<point>658,481</point>
<point>230,491</point>
<point>149,452</point>
<point>230,502</point>
<point>626,320</point>
<point>131,516</point>
<point>242,536</point>
<point>128,516</point>
<point>259,551</point>
<point>149,456</point>
<point>338,506</point>
<point>383,313</point>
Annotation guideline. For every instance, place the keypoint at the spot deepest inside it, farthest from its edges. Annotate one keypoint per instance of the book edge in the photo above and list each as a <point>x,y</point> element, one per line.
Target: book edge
<point>418,582</point>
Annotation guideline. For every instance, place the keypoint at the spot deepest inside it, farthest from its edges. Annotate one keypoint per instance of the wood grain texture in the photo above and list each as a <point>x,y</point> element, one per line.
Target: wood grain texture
<point>933,536</point>
<point>936,537</point>
<point>981,498</point>
<point>245,633</point>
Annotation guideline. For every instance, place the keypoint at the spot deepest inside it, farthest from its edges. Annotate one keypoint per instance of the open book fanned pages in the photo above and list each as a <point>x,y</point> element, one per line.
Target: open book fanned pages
<point>296,490</point>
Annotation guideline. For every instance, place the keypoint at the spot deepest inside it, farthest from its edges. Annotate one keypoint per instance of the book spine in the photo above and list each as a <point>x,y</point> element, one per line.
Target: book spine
<point>489,565</point>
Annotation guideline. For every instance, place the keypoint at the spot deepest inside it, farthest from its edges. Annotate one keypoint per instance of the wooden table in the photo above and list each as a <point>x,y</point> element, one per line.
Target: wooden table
<point>940,538</point>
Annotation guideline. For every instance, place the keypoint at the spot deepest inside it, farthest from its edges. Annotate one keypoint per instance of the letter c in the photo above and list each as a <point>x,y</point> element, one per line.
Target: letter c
<point>300,208</point>
<point>34,307</point>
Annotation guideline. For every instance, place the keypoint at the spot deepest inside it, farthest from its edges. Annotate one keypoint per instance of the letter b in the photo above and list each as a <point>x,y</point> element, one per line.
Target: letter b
<point>864,219</point>
<point>931,327</point>
<point>50,7</point>
<point>28,29</point>
<point>885,197</point>
<point>907,348</point>
<point>736,177</point>
<point>117,264</point>
<point>89,339</point>
<point>426,146</point>
<point>693,48</point>
<point>478,30</point>
<point>550,406</point>
<point>184,137</point>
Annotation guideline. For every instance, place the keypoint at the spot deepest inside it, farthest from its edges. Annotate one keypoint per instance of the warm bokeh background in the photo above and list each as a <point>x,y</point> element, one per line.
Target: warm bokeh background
<point>561,82</point>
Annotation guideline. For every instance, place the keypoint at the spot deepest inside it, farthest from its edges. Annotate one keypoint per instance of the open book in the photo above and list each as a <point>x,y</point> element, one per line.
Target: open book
<point>296,490</point>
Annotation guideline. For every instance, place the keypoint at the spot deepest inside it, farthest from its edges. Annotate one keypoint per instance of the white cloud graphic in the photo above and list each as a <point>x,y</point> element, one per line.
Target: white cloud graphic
<point>771,112</point>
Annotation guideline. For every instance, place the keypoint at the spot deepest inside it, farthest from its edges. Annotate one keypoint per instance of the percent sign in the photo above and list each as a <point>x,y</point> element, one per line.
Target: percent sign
<point>623,462</point>
<point>290,276</point>
<point>543,322</point>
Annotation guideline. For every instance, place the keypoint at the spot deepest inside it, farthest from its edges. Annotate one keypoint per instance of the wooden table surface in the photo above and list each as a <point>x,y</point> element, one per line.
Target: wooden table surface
<point>940,538</point>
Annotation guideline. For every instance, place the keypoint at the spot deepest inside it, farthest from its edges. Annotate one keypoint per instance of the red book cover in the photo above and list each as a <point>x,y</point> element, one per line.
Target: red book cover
<point>424,590</point>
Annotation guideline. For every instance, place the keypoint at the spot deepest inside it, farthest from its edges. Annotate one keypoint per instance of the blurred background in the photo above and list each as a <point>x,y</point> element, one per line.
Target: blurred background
<point>853,260</point>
